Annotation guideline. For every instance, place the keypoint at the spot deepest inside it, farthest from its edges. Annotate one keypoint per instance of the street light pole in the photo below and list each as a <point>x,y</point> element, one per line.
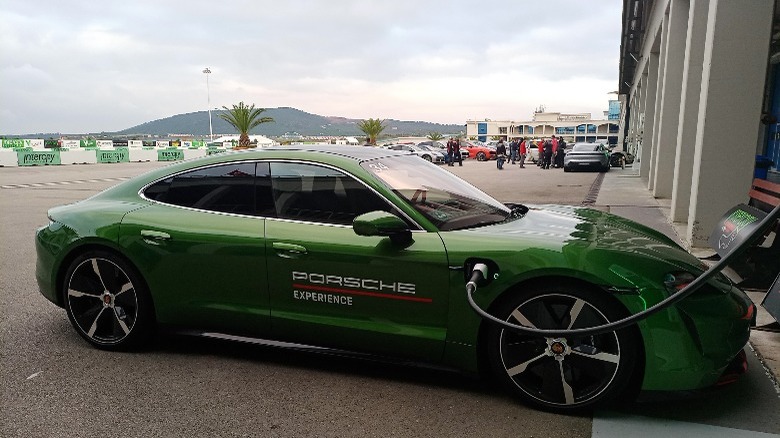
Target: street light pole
<point>207,71</point>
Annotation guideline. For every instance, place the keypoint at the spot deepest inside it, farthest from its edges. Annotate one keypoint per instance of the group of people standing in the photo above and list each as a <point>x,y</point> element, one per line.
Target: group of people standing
<point>551,152</point>
<point>453,152</point>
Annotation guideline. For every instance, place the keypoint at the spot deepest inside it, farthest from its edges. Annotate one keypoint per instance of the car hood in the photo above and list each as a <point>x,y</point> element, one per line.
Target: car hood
<point>569,229</point>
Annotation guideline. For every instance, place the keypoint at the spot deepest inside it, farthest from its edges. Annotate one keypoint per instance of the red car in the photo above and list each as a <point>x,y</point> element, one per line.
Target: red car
<point>477,151</point>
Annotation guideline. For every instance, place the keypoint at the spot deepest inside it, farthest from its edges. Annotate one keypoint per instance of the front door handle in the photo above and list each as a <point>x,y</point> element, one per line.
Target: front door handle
<point>288,250</point>
<point>154,237</point>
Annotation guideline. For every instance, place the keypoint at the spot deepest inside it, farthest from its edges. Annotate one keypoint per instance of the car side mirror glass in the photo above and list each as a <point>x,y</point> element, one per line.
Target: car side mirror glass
<point>382,223</point>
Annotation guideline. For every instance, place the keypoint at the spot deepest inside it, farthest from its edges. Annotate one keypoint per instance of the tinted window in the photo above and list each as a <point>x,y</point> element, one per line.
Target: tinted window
<point>319,194</point>
<point>228,188</point>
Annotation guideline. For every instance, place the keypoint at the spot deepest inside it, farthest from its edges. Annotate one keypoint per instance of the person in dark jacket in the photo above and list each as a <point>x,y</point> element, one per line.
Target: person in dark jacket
<point>548,152</point>
<point>500,154</point>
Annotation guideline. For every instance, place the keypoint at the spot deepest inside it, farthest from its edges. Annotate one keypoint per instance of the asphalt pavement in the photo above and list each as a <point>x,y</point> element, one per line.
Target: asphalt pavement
<point>53,384</point>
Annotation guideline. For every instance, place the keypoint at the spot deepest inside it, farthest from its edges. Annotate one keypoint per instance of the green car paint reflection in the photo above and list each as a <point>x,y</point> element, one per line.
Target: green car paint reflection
<point>366,250</point>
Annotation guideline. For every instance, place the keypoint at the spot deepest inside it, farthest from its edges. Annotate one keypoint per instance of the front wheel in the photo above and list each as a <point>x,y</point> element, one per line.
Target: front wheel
<point>427,158</point>
<point>481,156</point>
<point>107,302</point>
<point>562,373</point>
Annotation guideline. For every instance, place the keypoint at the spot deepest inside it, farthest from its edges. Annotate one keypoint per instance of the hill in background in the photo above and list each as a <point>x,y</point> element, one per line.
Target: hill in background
<point>286,121</point>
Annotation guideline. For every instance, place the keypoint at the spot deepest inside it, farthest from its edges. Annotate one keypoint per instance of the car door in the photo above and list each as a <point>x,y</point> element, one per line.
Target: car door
<point>330,286</point>
<point>201,247</point>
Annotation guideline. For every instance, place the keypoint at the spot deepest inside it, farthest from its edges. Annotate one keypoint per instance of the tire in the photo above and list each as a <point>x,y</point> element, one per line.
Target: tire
<point>562,374</point>
<point>107,302</point>
<point>481,156</point>
<point>566,169</point>
<point>427,158</point>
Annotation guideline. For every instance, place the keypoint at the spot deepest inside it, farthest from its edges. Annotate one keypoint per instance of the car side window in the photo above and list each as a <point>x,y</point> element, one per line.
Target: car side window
<point>228,188</point>
<point>314,193</point>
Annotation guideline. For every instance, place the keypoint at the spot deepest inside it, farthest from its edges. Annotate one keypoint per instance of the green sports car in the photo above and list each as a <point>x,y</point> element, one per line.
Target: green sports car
<point>368,250</point>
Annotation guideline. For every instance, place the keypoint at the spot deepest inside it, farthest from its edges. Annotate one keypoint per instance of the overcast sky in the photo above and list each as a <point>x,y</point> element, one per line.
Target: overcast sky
<point>81,66</point>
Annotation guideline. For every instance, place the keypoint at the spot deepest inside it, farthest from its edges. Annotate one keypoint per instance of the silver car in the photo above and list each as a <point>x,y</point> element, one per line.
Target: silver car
<point>430,154</point>
<point>586,156</point>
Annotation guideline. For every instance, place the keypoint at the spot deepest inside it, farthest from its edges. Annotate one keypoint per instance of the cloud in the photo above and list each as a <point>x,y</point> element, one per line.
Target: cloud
<point>84,66</point>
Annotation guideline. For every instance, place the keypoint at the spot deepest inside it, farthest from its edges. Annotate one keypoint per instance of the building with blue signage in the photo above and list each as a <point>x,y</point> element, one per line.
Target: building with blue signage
<point>572,127</point>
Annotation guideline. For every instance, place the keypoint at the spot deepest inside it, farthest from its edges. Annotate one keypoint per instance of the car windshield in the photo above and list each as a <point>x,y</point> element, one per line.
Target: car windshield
<point>446,200</point>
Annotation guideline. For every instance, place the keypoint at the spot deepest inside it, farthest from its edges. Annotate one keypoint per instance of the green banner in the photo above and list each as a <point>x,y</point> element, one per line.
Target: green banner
<point>38,158</point>
<point>198,143</point>
<point>14,143</point>
<point>118,155</point>
<point>88,143</point>
<point>212,151</point>
<point>170,154</point>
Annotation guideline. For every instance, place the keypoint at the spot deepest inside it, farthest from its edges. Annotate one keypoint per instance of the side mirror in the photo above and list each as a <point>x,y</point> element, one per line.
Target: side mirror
<point>382,223</point>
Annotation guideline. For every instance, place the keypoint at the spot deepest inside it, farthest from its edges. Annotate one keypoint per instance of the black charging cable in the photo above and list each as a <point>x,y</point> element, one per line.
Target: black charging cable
<point>480,273</point>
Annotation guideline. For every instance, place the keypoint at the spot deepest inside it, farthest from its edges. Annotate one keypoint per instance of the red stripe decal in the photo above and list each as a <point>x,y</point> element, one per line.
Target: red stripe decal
<point>362,293</point>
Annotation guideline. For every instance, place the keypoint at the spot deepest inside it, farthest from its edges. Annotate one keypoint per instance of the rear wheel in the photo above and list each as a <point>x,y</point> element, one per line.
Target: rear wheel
<point>107,302</point>
<point>481,156</point>
<point>562,373</point>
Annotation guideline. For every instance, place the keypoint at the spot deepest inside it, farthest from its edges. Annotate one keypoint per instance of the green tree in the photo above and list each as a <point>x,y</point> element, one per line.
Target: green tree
<point>372,128</point>
<point>435,136</point>
<point>244,118</point>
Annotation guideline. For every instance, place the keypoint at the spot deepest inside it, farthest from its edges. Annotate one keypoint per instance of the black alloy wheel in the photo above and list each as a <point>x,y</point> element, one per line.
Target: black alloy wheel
<point>562,373</point>
<point>107,302</point>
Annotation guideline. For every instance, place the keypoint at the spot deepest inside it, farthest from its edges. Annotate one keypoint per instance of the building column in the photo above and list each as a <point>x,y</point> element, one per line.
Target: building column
<point>674,57</point>
<point>689,109</point>
<point>736,53</point>
<point>660,47</point>
<point>649,114</point>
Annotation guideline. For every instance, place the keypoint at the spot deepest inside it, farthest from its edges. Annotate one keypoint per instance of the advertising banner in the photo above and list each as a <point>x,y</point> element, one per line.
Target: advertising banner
<point>212,151</point>
<point>170,155</point>
<point>118,155</point>
<point>105,144</point>
<point>135,143</point>
<point>175,143</point>
<point>120,143</point>
<point>51,143</point>
<point>38,158</point>
<point>35,143</point>
<point>198,143</point>
<point>88,143</point>
<point>71,144</point>
<point>14,143</point>
<point>163,144</point>
<point>149,143</point>
<point>186,144</point>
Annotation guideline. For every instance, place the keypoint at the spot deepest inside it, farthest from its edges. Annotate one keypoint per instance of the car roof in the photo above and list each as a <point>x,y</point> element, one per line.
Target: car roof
<point>358,153</point>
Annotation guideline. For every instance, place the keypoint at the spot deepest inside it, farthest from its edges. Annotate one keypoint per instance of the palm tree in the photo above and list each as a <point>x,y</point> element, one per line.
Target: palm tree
<point>372,128</point>
<point>435,136</point>
<point>244,118</point>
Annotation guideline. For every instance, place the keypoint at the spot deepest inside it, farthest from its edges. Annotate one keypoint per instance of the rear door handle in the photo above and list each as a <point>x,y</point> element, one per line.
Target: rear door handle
<point>288,250</point>
<point>154,237</point>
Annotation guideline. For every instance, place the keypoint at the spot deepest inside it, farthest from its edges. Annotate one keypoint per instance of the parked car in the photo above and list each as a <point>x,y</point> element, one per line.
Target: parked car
<point>532,152</point>
<point>478,152</point>
<point>435,144</point>
<point>619,158</point>
<point>581,156</point>
<point>424,152</point>
<point>368,250</point>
